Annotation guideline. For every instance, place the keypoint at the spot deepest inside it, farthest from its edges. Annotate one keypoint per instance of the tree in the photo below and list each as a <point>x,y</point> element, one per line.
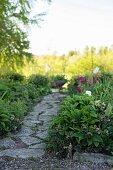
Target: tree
<point>14,43</point>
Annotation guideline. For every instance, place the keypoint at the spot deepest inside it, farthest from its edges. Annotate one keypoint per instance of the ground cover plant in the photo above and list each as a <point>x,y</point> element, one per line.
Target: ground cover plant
<point>17,96</point>
<point>85,120</point>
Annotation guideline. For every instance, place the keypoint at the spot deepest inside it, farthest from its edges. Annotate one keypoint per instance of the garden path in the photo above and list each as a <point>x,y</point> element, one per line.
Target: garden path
<point>26,149</point>
<point>28,142</point>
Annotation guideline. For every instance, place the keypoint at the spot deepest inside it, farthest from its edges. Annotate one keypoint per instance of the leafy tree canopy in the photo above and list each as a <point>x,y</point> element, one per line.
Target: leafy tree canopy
<point>14,43</point>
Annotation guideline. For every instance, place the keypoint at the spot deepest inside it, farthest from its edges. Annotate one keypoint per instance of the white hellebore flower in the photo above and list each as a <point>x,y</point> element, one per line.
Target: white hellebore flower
<point>88,93</point>
<point>96,70</point>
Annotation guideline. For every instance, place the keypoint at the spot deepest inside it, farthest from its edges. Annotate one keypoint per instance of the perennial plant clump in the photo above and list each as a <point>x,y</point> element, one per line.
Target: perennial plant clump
<point>86,117</point>
<point>17,96</point>
<point>83,122</point>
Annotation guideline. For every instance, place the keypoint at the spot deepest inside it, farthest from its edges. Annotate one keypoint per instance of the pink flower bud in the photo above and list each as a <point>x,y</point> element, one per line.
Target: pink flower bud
<point>79,89</point>
<point>82,79</point>
<point>94,80</point>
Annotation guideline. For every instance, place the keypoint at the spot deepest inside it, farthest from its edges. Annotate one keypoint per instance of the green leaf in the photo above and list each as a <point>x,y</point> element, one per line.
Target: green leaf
<point>96,143</point>
<point>3,124</point>
<point>108,110</point>
<point>89,142</point>
<point>79,135</point>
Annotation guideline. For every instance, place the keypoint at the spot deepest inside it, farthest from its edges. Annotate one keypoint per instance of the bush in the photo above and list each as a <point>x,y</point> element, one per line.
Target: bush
<point>17,112</point>
<point>38,80</point>
<point>4,116</point>
<point>83,122</point>
<point>11,115</point>
<point>58,77</point>
<point>3,89</point>
<point>14,77</point>
<point>16,100</point>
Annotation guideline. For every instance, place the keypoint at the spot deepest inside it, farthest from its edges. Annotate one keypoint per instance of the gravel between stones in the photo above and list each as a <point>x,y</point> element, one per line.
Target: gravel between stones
<point>49,163</point>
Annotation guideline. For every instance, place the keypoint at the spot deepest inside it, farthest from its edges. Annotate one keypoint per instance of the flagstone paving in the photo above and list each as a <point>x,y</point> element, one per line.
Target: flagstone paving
<point>29,141</point>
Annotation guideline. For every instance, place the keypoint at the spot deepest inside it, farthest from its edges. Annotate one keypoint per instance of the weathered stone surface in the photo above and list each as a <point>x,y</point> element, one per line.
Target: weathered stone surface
<point>46,117</point>
<point>7,143</point>
<point>52,112</point>
<point>93,157</point>
<point>30,123</point>
<point>38,146</point>
<point>31,117</point>
<point>42,135</point>
<point>22,153</point>
<point>44,127</point>
<point>28,140</point>
<point>25,131</point>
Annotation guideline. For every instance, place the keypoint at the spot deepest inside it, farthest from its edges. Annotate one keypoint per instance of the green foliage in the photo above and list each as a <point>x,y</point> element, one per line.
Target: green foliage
<point>14,43</point>
<point>14,77</point>
<point>4,116</point>
<point>74,63</point>
<point>16,100</point>
<point>11,115</point>
<point>17,111</point>
<point>3,88</point>
<point>58,77</point>
<point>83,122</point>
<point>38,80</point>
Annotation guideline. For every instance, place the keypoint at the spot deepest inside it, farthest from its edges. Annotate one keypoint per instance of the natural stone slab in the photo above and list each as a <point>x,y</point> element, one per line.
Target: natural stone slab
<point>93,157</point>
<point>52,112</point>
<point>31,117</point>
<point>46,117</point>
<point>30,123</point>
<point>25,131</point>
<point>42,135</point>
<point>46,124</point>
<point>55,90</point>
<point>28,140</point>
<point>43,128</point>
<point>38,146</point>
<point>43,106</point>
<point>22,153</point>
<point>7,143</point>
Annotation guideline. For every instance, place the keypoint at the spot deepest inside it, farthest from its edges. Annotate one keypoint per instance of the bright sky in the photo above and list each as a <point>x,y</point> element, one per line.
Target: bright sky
<point>72,24</point>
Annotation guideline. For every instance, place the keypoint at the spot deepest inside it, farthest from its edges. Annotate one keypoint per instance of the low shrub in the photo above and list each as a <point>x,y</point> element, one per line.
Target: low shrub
<point>4,116</point>
<point>57,77</point>
<point>17,112</point>
<point>83,122</point>
<point>14,77</point>
<point>38,80</point>
<point>11,115</point>
<point>16,100</point>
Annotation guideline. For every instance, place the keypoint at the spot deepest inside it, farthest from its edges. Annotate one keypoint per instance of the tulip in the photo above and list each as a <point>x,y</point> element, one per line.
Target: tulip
<point>79,89</point>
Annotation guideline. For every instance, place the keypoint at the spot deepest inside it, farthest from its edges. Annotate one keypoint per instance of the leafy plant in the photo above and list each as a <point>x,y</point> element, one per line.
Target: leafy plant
<point>14,77</point>
<point>83,122</point>
<point>16,100</point>
<point>17,111</point>
<point>4,116</point>
<point>38,80</point>
<point>58,77</point>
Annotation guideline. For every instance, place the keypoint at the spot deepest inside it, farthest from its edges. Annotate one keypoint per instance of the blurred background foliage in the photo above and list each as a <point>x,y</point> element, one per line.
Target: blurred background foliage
<point>74,63</point>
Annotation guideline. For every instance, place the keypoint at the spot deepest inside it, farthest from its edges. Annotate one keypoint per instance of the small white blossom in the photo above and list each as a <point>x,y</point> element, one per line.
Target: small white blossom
<point>88,93</point>
<point>96,70</point>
